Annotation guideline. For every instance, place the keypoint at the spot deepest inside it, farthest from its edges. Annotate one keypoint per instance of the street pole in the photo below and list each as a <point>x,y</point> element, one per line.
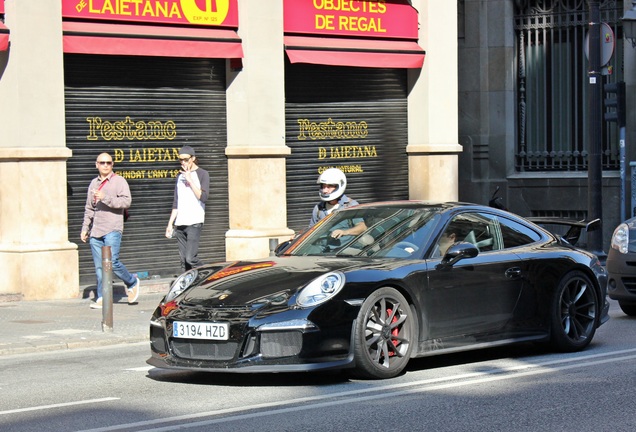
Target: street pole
<point>595,173</point>
<point>107,289</point>
<point>621,144</point>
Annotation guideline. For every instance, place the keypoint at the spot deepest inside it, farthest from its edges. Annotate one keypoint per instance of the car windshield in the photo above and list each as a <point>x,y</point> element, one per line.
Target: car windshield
<point>392,232</point>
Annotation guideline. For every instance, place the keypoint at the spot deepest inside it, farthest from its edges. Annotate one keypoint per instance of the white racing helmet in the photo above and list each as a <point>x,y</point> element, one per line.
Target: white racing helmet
<point>332,176</point>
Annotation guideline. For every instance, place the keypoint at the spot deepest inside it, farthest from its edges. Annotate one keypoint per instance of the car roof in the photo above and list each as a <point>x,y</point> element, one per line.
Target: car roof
<point>446,205</point>
<point>451,206</point>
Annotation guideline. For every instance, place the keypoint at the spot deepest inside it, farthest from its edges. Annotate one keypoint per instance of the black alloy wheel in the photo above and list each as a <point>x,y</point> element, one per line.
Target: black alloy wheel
<point>386,329</point>
<point>574,313</point>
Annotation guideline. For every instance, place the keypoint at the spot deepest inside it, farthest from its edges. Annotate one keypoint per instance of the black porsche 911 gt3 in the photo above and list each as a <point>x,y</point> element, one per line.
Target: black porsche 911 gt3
<point>420,279</point>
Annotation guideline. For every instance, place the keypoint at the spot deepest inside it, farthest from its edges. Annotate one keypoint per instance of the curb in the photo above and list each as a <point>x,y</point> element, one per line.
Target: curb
<point>64,346</point>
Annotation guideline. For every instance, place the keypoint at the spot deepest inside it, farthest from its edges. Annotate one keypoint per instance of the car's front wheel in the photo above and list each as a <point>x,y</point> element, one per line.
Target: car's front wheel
<point>386,329</point>
<point>574,313</point>
<point>628,308</point>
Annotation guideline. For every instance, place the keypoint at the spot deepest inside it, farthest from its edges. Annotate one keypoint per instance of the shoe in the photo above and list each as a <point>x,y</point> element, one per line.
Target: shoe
<point>97,304</point>
<point>133,291</point>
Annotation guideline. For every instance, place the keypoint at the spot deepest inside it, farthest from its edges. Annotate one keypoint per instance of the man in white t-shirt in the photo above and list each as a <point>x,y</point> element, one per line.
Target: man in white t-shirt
<point>188,208</point>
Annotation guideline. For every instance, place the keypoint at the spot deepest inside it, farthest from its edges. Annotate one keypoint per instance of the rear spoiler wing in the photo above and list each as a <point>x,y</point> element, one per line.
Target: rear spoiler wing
<point>576,227</point>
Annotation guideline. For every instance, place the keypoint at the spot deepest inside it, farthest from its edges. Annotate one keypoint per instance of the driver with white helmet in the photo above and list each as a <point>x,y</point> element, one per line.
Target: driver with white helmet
<point>333,183</point>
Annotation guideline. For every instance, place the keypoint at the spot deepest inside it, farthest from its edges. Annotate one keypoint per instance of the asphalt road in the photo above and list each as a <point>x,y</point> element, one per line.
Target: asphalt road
<point>520,388</point>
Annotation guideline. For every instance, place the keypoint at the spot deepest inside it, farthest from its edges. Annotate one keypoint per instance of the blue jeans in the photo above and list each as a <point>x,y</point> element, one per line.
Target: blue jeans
<point>188,239</point>
<point>112,239</point>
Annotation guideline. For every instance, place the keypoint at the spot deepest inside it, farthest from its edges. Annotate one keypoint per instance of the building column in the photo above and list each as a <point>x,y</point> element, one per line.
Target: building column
<point>433,146</point>
<point>256,148</point>
<point>36,259</point>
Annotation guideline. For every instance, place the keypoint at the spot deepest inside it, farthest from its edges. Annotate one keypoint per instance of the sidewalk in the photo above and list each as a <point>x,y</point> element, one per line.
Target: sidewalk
<point>31,326</point>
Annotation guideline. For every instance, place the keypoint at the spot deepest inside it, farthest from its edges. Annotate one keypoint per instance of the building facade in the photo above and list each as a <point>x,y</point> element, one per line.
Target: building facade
<point>269,93</point>
<point>524,103</point>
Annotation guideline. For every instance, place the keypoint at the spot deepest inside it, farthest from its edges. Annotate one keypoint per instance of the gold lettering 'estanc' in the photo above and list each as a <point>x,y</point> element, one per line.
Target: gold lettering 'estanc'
<point>130,130</point>
<point>332,130</point>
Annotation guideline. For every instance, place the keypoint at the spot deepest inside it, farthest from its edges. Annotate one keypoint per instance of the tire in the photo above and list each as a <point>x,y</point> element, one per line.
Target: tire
<point>385,331</point>
<point>628,308</point>
<point>575,308</point>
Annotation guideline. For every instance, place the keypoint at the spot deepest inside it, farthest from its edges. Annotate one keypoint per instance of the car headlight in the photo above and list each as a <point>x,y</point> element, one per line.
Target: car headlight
<point>321,289</point>
<point>620,238</point>
<point>182,283</point>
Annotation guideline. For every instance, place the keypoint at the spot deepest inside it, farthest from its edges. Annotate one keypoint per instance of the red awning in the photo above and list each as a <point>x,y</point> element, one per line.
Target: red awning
<point>4,37</point>
<point>354,52</point>
<point>138,40</point>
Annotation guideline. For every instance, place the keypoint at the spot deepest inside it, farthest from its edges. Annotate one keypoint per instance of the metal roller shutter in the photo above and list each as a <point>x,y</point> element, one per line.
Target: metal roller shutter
<point>188,92</point>
<point>369,107</point>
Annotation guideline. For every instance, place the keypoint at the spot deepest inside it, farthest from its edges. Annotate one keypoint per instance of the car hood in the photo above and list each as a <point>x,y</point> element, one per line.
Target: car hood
<point>268,281</point>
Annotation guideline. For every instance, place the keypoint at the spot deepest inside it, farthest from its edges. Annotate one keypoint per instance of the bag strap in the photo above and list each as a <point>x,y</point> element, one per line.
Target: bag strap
<point>103,183</point>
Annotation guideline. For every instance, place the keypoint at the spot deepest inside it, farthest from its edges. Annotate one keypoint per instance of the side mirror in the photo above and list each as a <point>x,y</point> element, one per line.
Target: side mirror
<point>457,252</point>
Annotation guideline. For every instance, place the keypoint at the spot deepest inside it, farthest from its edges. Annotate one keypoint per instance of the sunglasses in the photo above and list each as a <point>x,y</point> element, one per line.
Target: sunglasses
<point>187,159</point>
<point>105,162</point>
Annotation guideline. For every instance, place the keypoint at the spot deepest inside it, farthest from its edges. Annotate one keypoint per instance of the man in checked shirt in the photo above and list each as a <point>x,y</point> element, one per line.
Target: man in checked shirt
<point>108,196</point>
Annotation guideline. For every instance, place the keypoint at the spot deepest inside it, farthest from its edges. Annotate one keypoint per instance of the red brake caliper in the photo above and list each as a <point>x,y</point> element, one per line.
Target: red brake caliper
<point>395,332</point>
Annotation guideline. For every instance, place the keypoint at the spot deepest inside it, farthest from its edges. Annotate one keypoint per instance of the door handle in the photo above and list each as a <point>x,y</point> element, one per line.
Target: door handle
<point>513,273</point>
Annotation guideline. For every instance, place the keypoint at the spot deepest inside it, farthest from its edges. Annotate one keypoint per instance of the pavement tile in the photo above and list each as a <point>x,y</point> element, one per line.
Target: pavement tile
<point>32,326</point>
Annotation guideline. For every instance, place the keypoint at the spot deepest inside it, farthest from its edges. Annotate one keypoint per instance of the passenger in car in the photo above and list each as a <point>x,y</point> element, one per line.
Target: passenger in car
<point>451,235</point>
<point>446,241</point>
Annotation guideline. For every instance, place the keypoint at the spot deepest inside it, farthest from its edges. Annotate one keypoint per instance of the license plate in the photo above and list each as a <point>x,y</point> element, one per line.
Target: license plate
<point>200,330</point>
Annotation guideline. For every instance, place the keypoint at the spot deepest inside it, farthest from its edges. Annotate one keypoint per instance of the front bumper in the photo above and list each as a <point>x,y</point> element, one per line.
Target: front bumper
<point>274,344</point>
<point>621,269</point>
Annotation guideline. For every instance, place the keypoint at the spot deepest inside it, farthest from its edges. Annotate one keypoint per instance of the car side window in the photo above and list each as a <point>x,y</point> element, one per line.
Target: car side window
<point>515,234</point>
<point>488,232</point>
<point>480,229</point>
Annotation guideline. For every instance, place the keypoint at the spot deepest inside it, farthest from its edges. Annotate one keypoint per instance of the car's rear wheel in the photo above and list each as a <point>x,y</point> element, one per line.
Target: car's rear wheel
<point>386,329</point>
<point>574,312</point>
<point>628,308</point>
